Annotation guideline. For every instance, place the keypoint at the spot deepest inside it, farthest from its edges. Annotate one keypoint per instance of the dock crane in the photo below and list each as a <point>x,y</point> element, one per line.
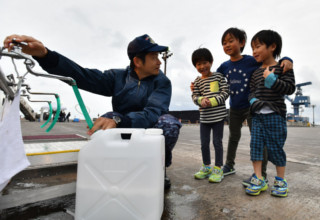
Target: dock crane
<point>299,99</point>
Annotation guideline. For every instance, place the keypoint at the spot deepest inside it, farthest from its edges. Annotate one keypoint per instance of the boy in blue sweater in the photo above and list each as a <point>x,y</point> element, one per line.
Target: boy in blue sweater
<point>238,71</point>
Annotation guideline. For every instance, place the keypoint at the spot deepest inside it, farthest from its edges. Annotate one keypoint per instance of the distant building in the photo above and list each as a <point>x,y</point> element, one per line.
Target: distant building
<point>187,116</point>
<point>190,116</point>
<point>296,118</point>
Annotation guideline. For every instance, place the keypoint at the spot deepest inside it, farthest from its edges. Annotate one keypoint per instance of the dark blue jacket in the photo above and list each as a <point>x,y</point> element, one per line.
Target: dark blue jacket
<point>141,102</point>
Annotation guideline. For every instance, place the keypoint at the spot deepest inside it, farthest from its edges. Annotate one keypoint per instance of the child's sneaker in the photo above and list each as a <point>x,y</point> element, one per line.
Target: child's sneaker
<point>204,172</point>
<point>216,176</point>
<point>280,187</point>
<point>227,170</point>
<point>247,182</point>
<point>256,186</point>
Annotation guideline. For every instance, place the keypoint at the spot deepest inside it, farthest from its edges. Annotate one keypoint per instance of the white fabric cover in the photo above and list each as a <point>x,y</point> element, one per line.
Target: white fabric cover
<point>13,158</point>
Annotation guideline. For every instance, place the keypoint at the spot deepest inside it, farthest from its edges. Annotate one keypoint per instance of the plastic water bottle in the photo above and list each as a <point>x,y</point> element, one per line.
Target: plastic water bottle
<point>121,178</point>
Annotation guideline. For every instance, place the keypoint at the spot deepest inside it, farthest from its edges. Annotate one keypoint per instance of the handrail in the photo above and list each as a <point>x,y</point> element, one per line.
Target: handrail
<point>56,117</point>
<point>28,88</point>
<point>72,83</point>
<point>82,106</point>
<point>5,87</point>
<point>49,117</point>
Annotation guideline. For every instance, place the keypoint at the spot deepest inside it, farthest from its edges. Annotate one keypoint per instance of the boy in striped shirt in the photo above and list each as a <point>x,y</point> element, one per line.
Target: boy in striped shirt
<point>210,93</point>
<point>268,86</point>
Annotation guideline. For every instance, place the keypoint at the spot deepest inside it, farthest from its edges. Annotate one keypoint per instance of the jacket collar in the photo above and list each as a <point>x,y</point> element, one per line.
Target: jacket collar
<point>134,75</point>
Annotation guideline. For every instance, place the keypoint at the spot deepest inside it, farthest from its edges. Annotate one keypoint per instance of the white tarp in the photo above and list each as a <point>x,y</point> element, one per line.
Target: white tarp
<point>13,158</point>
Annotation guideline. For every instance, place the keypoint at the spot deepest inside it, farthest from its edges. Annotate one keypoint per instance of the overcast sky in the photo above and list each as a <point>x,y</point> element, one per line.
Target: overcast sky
<point>95,34</point>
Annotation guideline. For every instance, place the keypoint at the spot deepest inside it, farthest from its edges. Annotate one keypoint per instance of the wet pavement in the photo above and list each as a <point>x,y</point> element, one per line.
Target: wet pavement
<point>198,199</point>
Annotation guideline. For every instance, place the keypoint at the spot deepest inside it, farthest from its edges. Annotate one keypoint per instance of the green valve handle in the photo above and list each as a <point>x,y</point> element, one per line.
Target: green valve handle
<point>50,114</point>
<point>82,106</point>
<point>57,114</point>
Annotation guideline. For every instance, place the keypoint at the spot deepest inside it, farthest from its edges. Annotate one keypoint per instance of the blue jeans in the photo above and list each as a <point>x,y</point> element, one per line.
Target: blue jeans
<point>217,133</point>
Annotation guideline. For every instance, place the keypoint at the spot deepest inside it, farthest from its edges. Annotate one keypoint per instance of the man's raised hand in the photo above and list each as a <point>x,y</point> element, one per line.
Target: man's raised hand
<point>33,47</point>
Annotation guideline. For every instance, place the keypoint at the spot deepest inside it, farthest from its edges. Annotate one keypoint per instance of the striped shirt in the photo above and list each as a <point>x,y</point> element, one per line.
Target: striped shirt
<point>274,98</point>
<point>216,87</point>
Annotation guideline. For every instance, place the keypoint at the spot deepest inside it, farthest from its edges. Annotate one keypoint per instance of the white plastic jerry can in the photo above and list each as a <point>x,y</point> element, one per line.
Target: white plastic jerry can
<point>121,178</point>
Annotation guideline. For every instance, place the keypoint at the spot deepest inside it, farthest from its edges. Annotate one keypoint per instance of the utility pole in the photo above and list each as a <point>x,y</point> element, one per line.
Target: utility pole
<point>165,56</point>
<point>313,114</point>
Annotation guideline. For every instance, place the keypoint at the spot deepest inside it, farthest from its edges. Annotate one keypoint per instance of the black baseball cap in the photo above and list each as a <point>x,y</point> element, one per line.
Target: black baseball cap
<point>143,43</point>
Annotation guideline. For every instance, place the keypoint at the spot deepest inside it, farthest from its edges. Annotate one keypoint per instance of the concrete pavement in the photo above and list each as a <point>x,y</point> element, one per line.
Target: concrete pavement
<point>198,199</point>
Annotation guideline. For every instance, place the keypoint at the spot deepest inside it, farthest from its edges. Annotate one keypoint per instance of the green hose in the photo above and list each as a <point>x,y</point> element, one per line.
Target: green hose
<point>82,106</point>
<point>57,114</point>
<point>50,114</point>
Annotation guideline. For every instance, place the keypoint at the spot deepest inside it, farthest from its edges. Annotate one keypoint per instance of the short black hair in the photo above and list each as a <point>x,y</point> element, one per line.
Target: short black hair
<point>239,34</point>
<point>269,37</point>
<point>201,54</point>
<point>141,56</point>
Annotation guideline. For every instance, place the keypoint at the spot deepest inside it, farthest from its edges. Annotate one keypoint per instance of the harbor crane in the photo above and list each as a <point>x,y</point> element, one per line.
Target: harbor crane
<point>299,99</point>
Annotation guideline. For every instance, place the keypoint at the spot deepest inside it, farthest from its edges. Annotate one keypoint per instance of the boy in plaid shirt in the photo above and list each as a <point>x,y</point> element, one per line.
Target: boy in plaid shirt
<point>268,86</point>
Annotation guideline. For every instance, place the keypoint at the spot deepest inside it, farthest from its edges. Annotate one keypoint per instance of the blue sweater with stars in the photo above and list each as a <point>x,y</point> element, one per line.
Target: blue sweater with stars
<point>238,76</point>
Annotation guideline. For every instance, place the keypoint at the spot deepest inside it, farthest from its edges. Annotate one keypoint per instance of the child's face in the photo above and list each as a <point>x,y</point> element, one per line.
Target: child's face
<point>204,68</point>
<point>261,52</point>
<point>232,46</point>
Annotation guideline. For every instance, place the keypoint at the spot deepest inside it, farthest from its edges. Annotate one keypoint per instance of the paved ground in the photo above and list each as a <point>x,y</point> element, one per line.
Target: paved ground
<point>198,199</point>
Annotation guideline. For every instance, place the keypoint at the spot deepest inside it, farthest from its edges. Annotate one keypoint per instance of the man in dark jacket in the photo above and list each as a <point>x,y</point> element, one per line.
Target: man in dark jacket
<point>140,93</point>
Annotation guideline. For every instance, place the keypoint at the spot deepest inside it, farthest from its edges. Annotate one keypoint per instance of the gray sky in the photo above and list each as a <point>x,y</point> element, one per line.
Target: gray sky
<point>96,33</point>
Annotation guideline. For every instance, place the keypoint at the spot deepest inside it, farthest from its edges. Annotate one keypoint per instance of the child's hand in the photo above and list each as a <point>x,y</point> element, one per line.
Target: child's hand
<point>205,102</point>
<point>267,72</point>
<point>287,65</point>
<point>192,86</point>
